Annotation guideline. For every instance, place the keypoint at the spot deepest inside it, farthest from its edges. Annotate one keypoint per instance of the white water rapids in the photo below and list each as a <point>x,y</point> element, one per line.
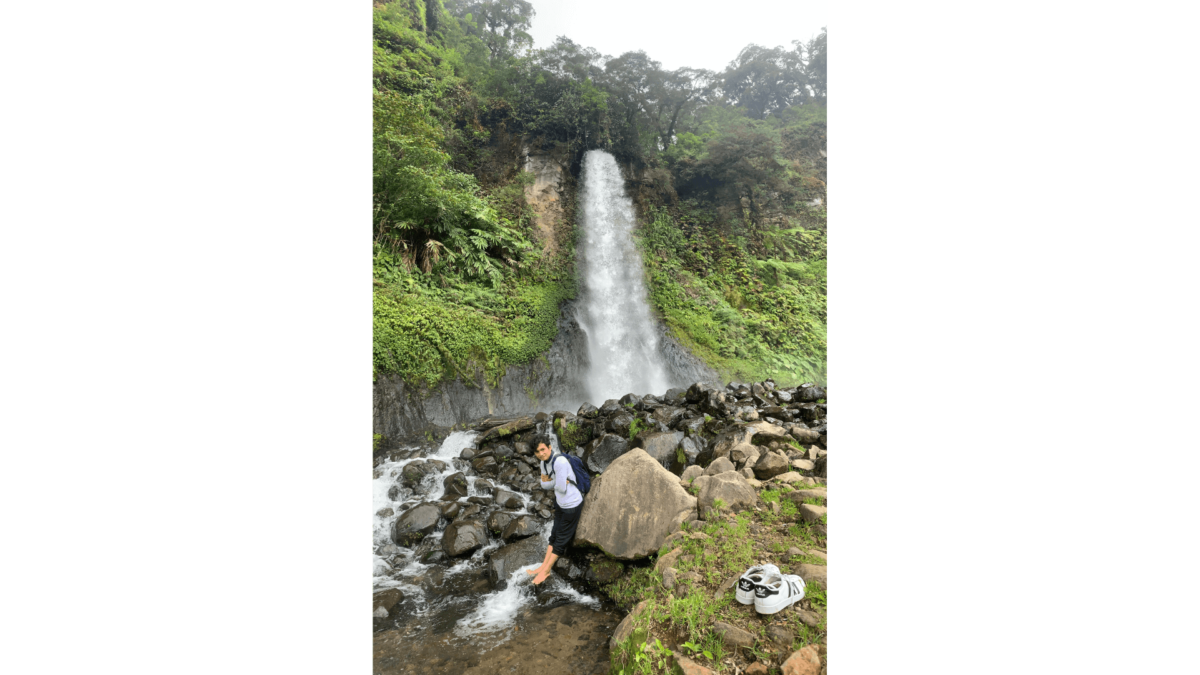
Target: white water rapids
<point>623,348</point>
<point>476,616</point>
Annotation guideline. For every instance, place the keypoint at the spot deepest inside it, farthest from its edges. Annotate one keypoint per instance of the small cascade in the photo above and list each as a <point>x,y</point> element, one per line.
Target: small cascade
<point>449,600</point>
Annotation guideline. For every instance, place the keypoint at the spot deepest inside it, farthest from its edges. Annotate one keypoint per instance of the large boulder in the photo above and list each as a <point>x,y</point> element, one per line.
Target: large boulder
<point>744,455</point>
<point>415,523</point>
<point>507,430</point>
<point>664,448</point>
<point>507,499</point>
<point>611,406</point>
<point>698,392</point>
<point>511,557</point>
<point>770,465</point>
<point>669,415</point>
<point>719,465</point>
<point>692,447</point>
<point>727,440</point>
<point>607,448</point>
<point>819,466</point>
<point>804,435</point>
<point>632,507</point>
<point>455,486</point>
<point>618,423</point>
<point>497,521</point>
<point>808,393</point>
<point>730,487</point>
<point>463,537</point>
<point>765,432</point>
<point>521,527</point>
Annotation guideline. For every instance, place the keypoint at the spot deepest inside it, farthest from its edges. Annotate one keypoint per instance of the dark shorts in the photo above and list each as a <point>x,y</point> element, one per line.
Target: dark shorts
<point>565,521</point>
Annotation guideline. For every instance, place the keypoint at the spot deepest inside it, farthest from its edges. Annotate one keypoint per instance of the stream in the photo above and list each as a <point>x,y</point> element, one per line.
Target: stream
<point>450,620</point>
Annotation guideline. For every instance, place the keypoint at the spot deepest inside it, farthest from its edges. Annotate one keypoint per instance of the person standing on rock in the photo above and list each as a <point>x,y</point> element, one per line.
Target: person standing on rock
<point>568,503</point>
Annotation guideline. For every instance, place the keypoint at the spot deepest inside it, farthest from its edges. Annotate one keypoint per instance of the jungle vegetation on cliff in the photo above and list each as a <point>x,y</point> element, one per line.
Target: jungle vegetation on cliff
<point>729,180</point>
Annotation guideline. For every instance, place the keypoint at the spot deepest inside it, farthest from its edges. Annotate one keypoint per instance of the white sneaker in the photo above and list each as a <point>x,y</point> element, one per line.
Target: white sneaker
<point>778,592</point>
<point>748,581</point>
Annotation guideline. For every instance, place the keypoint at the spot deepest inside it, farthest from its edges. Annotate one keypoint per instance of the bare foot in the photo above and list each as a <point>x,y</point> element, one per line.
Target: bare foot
<point>542,574</point>
<point>533,571</point>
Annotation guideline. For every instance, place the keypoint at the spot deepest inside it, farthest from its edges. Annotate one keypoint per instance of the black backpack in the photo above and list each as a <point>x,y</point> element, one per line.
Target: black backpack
<point>581,473</point>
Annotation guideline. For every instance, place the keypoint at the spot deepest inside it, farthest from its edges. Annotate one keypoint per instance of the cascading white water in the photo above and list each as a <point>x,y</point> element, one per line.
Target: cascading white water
<point>622,343</point>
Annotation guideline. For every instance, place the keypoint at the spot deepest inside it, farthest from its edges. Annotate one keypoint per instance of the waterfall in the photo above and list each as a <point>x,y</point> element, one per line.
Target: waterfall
<point>623,349</point>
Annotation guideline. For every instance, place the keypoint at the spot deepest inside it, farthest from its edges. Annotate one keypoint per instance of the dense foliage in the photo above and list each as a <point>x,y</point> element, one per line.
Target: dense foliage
<point>730,167</point>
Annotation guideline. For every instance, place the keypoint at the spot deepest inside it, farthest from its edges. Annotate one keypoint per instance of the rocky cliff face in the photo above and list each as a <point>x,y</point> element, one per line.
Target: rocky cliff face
<point>551,383</point>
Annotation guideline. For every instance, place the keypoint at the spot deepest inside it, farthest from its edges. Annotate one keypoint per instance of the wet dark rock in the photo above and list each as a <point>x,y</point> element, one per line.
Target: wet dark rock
<point>772,410</point>
<point>504,452</point>
<point>809,413</point>
<point>509,473</point>
<point>481,500</point>
<point>412,474</point>
<point>783,396</point>
<point>455,485</point>
<point>698,392</point>
<point>819,466</point>
<point>394,492</point>
<point>522,449</point>
<point>619,423</point>
<point>507,430</point>
<point>664,449</point>
<point>467,513</point>
<point>434,557</point>
<point>588,411</point>
<point>511,557</point>
<point>610,406</point>
<point>520,527</point>
<point>498,520</point>
<point>485,465</point>
<point>691,449</point>
<point>608,447</point>
<point>467,453</point>
<point>506,499</point>
<point>629,399</point>
<point>387,599</point>
<point>450,510</point>
<point>384,513</point>
<point>804,436</point>
<point>540,417</point>
<point>483,487</point>
<point>545,513</point>
<point>668,415</point>
<point>463,537</point>
<point>692,426</point>
<point>808,393</point>
<point>603,570</point>
<point>415,523</point>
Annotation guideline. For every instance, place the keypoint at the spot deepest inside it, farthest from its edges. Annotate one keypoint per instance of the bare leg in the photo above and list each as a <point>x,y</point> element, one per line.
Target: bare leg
<point>546,562</point>
<point>544,570</point>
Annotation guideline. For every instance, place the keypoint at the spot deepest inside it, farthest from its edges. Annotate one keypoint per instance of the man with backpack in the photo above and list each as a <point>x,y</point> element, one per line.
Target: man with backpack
<point>558,472</point>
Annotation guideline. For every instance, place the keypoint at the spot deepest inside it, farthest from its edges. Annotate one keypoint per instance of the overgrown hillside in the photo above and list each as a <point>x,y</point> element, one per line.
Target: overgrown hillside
<point>727,170</point>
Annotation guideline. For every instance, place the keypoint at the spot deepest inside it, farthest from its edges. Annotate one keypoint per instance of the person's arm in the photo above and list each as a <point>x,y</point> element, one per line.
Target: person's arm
<point>546,484</point>
<point>560,475</point>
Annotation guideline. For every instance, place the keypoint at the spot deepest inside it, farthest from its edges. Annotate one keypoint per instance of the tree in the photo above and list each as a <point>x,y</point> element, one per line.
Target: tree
<point>816,69</point>
<point>766,80</point>
<point>502,24</point>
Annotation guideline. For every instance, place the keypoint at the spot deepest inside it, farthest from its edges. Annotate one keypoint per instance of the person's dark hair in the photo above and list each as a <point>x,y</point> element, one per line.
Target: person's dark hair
<point>542,438</point>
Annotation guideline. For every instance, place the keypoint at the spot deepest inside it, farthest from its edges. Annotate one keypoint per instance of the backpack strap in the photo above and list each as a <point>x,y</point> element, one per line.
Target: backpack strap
<point>570,481</point>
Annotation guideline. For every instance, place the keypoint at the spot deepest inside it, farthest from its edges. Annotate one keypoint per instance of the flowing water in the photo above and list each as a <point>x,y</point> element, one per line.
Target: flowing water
<point>450,620</point>
<point>623,345</point>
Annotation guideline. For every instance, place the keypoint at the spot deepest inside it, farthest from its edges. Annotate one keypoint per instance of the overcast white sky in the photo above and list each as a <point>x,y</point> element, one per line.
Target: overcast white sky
<point>678,33</point>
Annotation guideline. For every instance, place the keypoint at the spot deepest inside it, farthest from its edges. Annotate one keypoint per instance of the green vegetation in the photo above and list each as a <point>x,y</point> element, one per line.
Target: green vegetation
<point>636,426</point>
<point>467,280</point>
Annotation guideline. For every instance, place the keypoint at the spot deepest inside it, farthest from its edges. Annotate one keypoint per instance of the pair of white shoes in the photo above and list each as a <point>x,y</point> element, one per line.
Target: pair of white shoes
<point>769,590</point>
